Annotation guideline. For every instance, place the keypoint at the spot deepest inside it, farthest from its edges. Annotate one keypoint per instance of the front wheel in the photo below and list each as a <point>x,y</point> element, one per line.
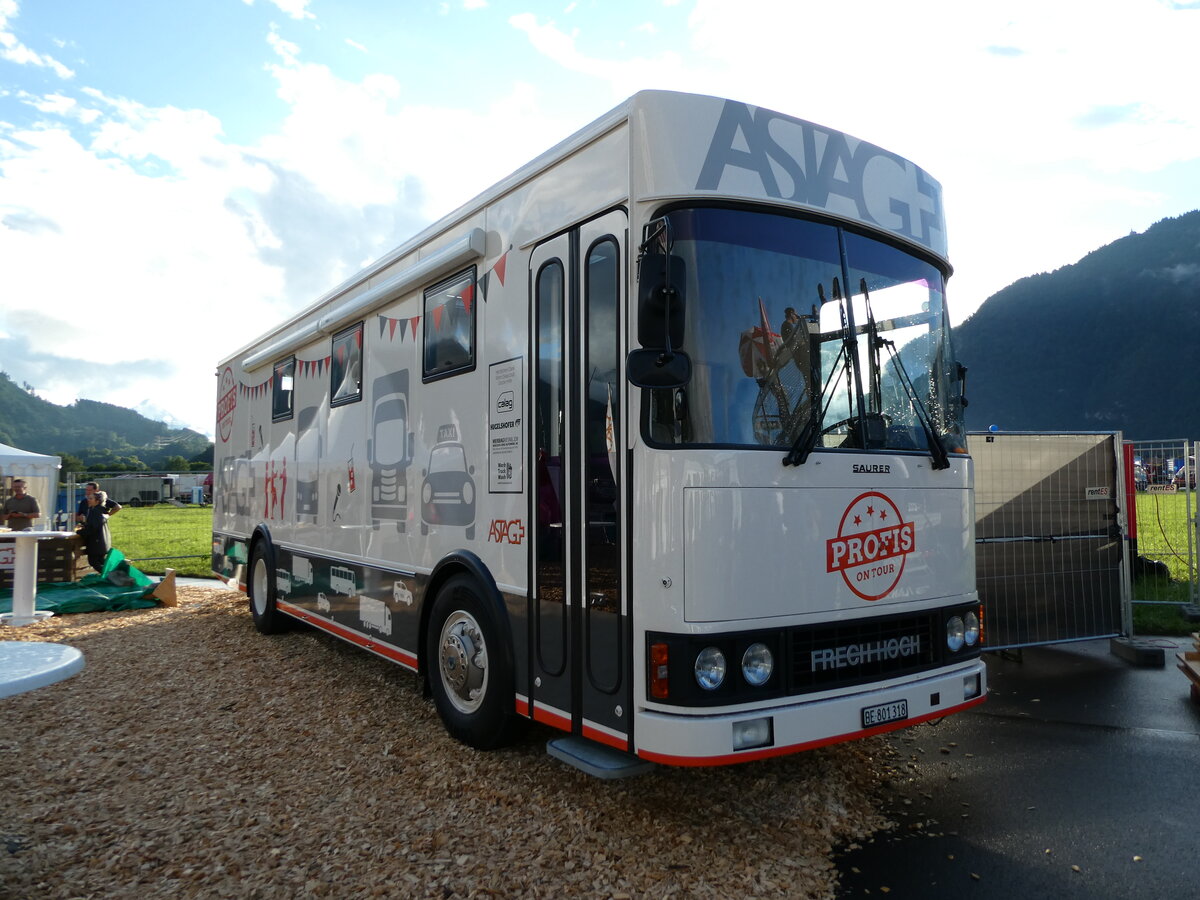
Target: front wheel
<point>471,682</point>
<point>267,617</point>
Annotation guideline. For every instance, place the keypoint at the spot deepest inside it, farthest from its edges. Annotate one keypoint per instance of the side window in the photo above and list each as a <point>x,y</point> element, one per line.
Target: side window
<point>345,366</point>
<point>450,326</point>
<point>282,389</point>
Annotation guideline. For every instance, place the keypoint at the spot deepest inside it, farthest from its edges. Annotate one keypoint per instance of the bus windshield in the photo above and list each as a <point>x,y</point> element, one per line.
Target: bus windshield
<point>806,332</point>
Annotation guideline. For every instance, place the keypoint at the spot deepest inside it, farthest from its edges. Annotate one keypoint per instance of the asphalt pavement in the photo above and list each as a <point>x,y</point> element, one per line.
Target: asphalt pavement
<point>1079,777</point>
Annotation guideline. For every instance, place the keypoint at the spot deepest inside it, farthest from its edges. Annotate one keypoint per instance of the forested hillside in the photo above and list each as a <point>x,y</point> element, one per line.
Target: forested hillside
<point>1111,342</point>
<point>100,435</point>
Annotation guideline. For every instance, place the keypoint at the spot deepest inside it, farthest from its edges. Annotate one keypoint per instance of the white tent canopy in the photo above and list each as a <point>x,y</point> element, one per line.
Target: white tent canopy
<point>40,473</point>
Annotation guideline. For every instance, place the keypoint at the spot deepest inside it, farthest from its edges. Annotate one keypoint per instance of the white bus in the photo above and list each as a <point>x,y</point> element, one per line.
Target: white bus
<point>662,433</point>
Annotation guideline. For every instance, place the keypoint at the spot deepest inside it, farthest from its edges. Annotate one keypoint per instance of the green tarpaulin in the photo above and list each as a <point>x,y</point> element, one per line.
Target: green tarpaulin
<point>120,585</point>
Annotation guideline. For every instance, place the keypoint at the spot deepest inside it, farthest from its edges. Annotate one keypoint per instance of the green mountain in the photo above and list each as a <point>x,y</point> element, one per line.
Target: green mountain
<point>101,435</point>
<point>1109,343</point>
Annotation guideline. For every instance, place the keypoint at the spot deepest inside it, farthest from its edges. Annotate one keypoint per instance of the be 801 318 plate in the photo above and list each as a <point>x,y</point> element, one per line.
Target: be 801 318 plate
<point>895,711</point>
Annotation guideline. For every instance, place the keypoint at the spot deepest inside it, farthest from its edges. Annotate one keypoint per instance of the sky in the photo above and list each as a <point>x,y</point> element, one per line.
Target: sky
<point>178,176</point>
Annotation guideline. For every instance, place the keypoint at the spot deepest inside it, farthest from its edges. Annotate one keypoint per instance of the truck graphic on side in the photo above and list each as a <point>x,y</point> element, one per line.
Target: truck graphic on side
<point>374,614</point>
<point>390,449</point>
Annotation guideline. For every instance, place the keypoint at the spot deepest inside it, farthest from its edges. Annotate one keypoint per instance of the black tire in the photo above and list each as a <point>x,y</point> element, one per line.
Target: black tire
<point>261,589</point>
<point>469,675</point>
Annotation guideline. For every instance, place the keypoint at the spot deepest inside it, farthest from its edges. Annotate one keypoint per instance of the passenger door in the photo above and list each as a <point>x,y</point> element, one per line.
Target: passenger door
<point>579,618</point>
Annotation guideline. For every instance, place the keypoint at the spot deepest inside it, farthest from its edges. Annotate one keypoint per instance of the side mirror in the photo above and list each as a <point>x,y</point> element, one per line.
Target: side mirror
<point>660,300</point>
<point>652,368</point>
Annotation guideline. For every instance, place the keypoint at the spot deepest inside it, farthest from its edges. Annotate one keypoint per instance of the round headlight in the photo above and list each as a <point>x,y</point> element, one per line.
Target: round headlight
<point>710,668</point>
<point>757,664</point>
<point>426,493</point>
<point>955,633</point>
<point>971,622</point>
<point>468,493</point>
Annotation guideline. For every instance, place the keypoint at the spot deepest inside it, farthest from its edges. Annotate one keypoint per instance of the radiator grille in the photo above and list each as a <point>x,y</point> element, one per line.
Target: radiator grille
<point>857,652</point>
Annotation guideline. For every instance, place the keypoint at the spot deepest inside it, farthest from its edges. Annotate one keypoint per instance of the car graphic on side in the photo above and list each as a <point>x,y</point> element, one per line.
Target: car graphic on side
<point>448,491</point>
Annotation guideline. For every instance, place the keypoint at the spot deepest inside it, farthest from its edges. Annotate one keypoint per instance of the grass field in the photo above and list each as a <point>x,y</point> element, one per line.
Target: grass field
<point>157,537</point>
<point>1163,523</point>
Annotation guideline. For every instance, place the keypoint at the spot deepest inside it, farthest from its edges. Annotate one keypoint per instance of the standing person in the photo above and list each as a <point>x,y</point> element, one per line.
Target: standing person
<point>111,507</point>
<point>791,319</point>
<point>96,539</point>
<point>21,508</point>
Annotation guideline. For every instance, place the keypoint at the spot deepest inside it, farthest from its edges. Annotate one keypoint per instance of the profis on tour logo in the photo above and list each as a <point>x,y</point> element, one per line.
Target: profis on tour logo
<point>872,544</point>
<point>226,403</point>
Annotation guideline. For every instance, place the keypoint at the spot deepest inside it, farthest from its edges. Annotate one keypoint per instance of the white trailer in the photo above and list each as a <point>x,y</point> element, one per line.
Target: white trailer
<point>138,490</point>
<point>676,415</point>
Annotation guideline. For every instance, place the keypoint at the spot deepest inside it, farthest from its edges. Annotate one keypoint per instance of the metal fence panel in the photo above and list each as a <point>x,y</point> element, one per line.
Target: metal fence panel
<point>1048,530</point>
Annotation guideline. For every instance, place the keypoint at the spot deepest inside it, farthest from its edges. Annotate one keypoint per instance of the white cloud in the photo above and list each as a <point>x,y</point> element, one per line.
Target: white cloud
<point>624,76</point>
<point>143,228</point>
<point>297,9</point>
<point>14,51</point>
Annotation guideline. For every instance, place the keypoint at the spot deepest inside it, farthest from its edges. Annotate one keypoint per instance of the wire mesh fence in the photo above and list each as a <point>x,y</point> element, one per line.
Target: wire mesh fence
<point>1163,522</point>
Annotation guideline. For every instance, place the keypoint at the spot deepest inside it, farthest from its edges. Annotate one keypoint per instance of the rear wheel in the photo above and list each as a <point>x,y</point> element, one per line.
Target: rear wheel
<point>267,617</point>
<point>471,682</point>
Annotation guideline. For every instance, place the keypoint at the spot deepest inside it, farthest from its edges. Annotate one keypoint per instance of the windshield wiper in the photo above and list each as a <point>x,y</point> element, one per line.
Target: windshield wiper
<point>807,439</point>
<point>941,460</point>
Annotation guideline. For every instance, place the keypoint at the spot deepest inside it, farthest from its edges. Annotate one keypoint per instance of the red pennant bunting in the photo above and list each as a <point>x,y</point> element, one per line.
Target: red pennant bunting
<point>468,295</point>
<point>437,317</point>
<point>498,268</point>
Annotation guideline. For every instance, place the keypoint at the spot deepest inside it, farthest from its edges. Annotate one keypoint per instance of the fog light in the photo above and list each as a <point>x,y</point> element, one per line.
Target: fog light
<point>710,668</point>
<point>757,664</point>
<point>955,634</point>
<point>972,686</point>
<point>753,733</point>
<point>971,621</point>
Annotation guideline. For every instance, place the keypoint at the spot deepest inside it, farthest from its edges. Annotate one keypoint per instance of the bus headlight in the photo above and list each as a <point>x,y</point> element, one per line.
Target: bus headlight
<point>971,621</point>
<point>955,634</point>
<point>757,664</point>
<point>710,668</point>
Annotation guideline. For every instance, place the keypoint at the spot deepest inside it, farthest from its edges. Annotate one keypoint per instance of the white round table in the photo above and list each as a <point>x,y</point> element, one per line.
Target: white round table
<point>27,665</point>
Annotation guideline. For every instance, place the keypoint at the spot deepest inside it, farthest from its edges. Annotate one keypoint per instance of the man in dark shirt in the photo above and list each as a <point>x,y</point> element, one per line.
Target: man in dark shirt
<point>111,507</point>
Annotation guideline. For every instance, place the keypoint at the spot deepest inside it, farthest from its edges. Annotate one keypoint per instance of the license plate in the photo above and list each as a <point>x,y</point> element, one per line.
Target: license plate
<point>884,713</point>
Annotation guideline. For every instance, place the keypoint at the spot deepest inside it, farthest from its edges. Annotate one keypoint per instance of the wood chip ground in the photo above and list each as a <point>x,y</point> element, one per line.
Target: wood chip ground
<point>194,757</point>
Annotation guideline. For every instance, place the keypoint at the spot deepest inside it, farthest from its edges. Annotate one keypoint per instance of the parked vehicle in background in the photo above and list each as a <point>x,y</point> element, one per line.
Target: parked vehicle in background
<point>1186,475</point>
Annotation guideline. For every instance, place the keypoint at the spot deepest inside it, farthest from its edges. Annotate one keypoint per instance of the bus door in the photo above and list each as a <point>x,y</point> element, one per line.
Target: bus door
<point>579,617</point>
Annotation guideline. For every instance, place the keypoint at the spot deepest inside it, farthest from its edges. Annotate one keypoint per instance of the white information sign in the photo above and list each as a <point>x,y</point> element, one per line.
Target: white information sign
<point>506,427</point>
